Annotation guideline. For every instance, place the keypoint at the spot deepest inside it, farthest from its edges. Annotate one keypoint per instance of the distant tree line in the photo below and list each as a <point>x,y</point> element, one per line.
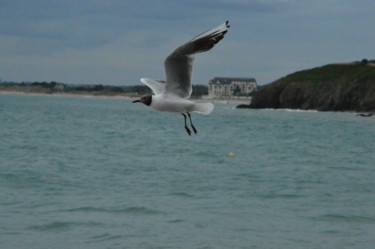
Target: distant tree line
<point>198,90</point>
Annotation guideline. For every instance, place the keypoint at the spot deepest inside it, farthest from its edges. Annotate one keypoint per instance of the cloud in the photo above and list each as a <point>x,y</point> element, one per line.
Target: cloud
<point>119,41</point>
<point>249,6</point>
<point>72,23</point>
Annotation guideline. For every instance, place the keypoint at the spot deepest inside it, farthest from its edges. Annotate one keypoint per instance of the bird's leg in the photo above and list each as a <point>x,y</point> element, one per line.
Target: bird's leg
<point>191,123</point>
<point>186,128</point>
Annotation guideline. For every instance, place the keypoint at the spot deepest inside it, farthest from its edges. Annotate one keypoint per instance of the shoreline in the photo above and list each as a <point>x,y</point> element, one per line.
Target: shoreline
<point>123,97</point>
<point>202,100</point>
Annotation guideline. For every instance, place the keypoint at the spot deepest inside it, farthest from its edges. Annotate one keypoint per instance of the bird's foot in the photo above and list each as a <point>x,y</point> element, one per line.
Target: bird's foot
<point>188,130</point>
<point>195,130</point>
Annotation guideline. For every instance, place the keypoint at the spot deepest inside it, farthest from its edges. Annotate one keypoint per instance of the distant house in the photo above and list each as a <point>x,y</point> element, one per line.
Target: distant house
<point>59,87</point>
<point>220,87</point>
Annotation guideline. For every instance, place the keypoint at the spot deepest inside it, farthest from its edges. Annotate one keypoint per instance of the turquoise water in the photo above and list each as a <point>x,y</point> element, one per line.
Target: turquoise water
<point>106,173</point>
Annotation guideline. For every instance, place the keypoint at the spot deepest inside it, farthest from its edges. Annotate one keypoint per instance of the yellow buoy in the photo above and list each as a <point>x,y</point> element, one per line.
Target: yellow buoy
<point>231,154</point>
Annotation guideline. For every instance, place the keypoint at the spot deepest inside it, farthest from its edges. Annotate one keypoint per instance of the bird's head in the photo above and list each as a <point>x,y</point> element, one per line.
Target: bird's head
<point>145,99</point>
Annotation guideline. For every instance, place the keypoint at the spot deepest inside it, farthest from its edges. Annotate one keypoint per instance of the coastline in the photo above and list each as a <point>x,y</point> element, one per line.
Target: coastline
<point>332,87</point>
<point>200,100</point>
<point>123,97</point>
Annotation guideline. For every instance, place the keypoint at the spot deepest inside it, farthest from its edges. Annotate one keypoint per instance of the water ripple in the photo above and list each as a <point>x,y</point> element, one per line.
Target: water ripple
<point>60,226</point>
<point>129,210</point>
<point>109,174</point>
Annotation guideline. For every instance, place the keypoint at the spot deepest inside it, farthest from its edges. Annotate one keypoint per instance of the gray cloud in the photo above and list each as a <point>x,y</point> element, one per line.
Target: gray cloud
<point>119,41</point>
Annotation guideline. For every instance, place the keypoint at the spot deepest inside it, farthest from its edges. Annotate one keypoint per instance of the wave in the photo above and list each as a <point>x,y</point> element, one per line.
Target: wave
<point>347,218</point>
<point>182,194</point>
<point>279,196</point>
<point>59,225</point>
<point>289,110</point>
<point>104,237</point>
<point>129,210</point>
<point>176,221</point>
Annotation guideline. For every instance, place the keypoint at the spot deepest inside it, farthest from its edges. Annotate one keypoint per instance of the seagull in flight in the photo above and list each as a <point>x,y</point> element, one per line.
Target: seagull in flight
<point>173,94</point>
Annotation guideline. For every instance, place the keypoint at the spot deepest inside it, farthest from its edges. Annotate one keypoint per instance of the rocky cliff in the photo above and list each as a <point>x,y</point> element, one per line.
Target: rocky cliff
<point>334,87</point>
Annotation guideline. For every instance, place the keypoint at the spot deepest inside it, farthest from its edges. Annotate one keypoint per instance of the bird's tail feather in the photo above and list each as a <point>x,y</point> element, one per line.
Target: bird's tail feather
<point>205,108</point>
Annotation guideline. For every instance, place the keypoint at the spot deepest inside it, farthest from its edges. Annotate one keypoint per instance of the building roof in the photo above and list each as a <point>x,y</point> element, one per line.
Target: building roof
<point>228,80</point>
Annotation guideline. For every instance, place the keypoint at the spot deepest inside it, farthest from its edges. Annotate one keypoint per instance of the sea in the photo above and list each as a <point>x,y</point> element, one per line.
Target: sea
<point>102,173</point>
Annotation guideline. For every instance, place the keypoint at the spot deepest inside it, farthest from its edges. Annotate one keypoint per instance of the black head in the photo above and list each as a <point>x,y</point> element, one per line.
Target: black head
<point>145,99</point>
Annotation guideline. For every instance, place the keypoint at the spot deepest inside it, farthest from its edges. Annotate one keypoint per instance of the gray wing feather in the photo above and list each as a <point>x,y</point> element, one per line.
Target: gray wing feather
<point>156,86</point>
<point>179,64</point>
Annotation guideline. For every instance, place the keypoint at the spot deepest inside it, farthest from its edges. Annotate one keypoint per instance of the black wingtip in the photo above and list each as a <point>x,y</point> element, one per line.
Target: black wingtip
<point>227,24</point>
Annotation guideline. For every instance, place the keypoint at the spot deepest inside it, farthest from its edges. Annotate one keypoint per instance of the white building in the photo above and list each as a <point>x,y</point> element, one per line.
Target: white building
<point>220,87</point>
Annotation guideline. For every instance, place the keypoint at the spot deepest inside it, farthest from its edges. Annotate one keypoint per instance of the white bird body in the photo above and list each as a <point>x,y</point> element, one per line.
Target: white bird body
<point>171,104</point>
<point>173,95</point>
<point>178,105</point>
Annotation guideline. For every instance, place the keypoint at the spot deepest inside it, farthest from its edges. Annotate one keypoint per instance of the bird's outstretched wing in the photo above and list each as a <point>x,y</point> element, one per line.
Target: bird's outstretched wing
<point>178,65</point>
<point>156,86</point>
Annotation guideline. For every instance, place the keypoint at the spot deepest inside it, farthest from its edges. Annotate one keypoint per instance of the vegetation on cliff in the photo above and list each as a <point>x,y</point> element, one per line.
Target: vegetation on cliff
<point>334,87</point>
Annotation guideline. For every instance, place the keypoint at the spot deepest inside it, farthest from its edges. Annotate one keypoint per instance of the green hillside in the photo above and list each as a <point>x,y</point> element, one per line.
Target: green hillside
<point>334,87</point>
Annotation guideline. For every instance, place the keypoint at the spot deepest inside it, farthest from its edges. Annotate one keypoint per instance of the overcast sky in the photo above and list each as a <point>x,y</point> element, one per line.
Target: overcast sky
<point>117,42</point>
